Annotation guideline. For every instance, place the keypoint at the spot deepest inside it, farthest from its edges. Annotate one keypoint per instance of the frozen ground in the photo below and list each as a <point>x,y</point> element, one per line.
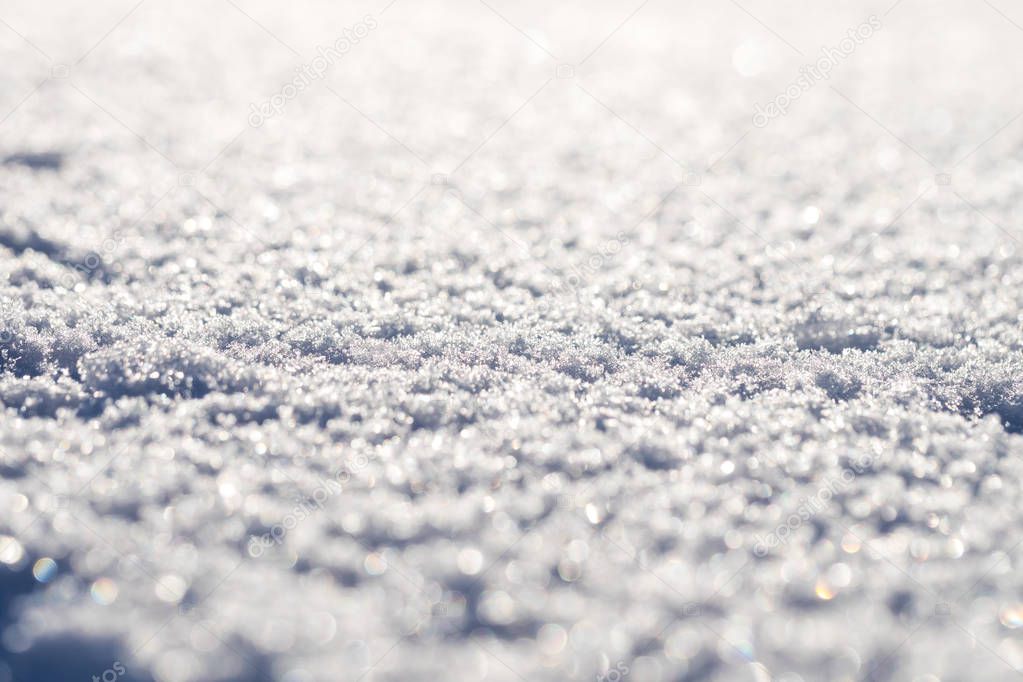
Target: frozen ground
<point>463,366</point>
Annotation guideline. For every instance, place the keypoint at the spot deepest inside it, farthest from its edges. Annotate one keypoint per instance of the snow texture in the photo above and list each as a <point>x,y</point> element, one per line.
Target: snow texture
<point>512,345</point>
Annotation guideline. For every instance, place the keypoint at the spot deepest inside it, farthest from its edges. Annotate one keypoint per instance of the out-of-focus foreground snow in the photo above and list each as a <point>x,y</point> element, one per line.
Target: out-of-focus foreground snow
<point>511,345</point>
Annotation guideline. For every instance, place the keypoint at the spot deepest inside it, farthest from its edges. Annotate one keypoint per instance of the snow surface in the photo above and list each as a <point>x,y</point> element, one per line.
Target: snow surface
<point>465,366</point>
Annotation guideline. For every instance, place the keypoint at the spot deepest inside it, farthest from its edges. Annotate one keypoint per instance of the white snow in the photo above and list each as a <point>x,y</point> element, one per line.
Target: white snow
<point>470,367</point>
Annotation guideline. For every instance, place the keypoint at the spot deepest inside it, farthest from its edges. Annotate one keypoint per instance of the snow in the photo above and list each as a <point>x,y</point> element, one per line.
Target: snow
<point>468,366</point>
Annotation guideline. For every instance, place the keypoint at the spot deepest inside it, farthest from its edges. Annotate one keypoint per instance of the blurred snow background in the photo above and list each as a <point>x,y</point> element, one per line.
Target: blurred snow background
<point>510,346</point>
